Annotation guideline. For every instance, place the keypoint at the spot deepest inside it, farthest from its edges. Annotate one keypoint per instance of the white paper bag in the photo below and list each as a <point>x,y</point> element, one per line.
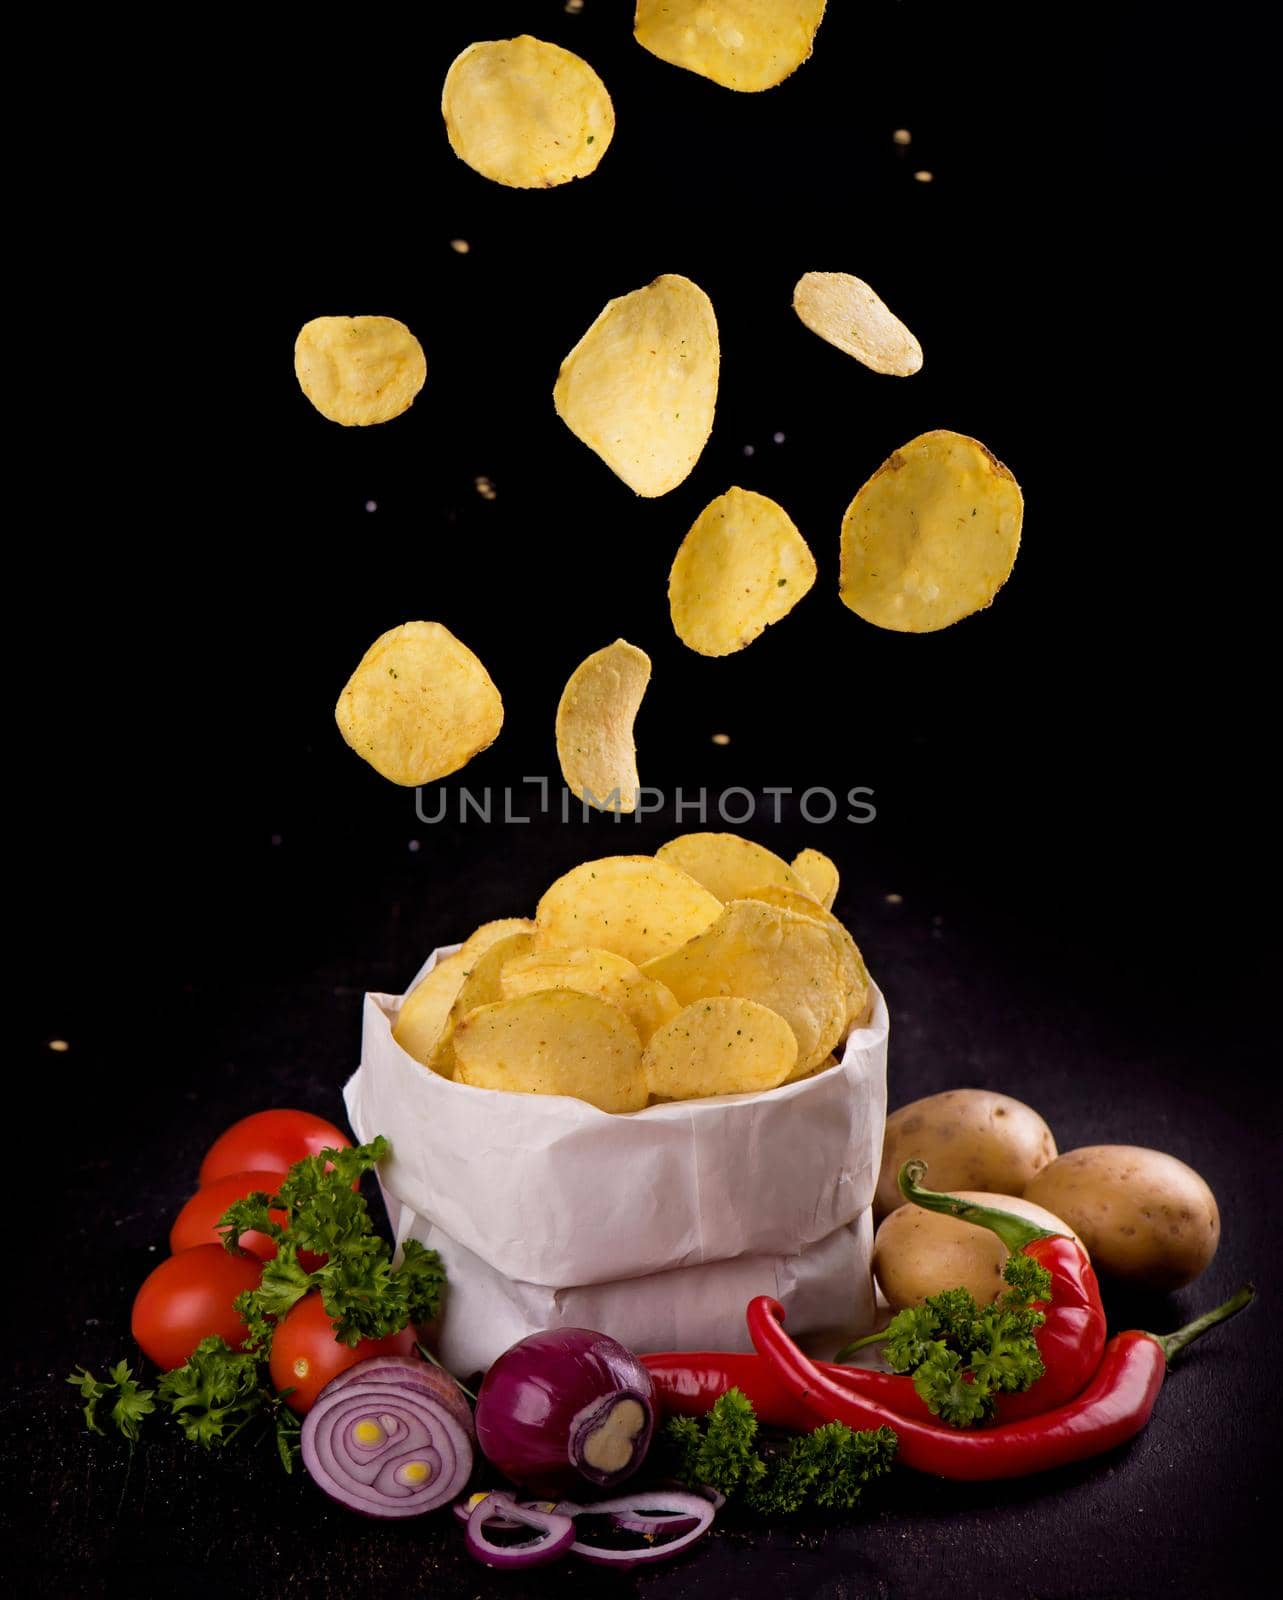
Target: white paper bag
<point>656,1227</point>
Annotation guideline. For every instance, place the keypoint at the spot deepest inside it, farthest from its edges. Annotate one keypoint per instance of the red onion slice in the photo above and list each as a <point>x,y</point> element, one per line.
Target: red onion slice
<point>386,1448</point>
<point>556,1533</point>
<point>650,1512</point>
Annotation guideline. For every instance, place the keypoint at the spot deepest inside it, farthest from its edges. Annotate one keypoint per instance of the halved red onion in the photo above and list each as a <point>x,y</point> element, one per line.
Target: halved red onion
<point>556,1533</point>
<point>389,1445</point>
<point>411,1369</point>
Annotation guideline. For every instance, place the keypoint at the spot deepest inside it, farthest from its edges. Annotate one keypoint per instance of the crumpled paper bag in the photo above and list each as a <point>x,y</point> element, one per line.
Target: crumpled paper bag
<point>656,1227</point>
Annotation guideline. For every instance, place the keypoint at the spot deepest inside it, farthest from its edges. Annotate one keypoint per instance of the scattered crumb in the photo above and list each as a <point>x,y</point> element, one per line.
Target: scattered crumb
<point>414,847</point>
<point>59,1046</point>
<point>749,449</point>
<point>485,488</point>
<point>902,136</point>
<point>460,246</point>
<point>371,505</point>
<point>894,899</point>
<point>721,738</point>
<point>923,176</point>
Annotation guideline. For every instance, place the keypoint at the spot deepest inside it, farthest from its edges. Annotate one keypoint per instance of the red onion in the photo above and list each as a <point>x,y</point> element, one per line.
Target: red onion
<point>556,1533</point>
<point>566,1403</point>
<point>390,1437</point>
<point>651,1512</point>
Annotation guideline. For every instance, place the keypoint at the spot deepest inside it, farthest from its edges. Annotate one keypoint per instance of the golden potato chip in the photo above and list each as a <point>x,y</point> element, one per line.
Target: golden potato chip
<point>741,44</point>
<point>595,726</point>
<point>819,876</point>
<point>846,312</point>
<point>557,1041</point>
<point>726,864</point>
<point>721,1045</point>
<point>854,973</point>
<point>634,905</point>
<point>765,953</point>
<point>526,113</point>
<point>420,705</point>
<point>426,1009</point>
<point>359,370</point>
<point>612,978</point>
<point>932,536</point>
<point>742,566</point>
<point>480,939</point>
<point>640,387</point>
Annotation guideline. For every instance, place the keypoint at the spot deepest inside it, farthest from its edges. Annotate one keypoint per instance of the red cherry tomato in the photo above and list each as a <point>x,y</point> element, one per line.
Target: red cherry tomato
<point>306,1355</point>
<point>189,1298</point>
<point>196,1222</point>
<point>269,1141</point>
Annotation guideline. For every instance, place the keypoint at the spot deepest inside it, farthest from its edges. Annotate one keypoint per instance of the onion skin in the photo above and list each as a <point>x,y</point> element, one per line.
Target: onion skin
<point>547,1403</point>
<point>389,1443</point>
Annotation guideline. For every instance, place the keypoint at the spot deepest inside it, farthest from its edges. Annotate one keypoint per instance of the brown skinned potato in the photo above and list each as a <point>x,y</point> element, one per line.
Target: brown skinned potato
<point>969,1137</point>
<point>1143,1215</point>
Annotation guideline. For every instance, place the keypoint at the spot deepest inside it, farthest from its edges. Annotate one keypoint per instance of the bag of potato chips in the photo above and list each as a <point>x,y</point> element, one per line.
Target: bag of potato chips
<point>657,1226</point>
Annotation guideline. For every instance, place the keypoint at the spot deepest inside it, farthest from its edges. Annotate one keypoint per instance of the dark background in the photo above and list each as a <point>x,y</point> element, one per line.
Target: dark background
<point>1071,787</point>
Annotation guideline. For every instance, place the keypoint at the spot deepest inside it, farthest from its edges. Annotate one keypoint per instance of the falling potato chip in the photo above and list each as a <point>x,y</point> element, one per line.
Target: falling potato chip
<point>846,312</point>
<point>595,726</point>
<point>854,973</point>
<point>426,1009</point>
<point>726,864</point>
<point>741,44</point>
<point>819,876</point>
<point>932,536</point>
<point>742,566</point>
<point>359,370</point>
<point>640,387</point>
<point>721,1045</point>
<point>556,1041</point>
<point>634,905</point>
<point>768,954</point>
<point>526,113</point>
<point>646,1004</point>
<point>420,705</point>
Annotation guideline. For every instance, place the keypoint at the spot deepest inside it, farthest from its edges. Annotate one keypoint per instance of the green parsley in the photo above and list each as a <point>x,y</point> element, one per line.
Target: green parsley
<point>130,1402</point>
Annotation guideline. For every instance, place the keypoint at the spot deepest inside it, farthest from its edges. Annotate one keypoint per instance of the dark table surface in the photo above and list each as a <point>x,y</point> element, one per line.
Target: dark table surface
<point>1065,895</point>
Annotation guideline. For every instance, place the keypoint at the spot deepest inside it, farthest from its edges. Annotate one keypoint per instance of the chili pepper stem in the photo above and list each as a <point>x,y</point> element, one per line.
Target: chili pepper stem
<point>859,1344</point>
<point>1015,1232</point>
<point>1171,1344</point>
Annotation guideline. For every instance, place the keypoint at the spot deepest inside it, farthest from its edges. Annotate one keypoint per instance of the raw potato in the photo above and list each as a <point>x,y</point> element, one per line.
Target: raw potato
<point>557,1041</point>
<point>726,864</point>
<point>788,963</point>
<point>917,1253</point>
<point>640,387</point>
<point>967,1137</point>
<point>742,566</point>
<point>846,312</point>
<point>646,1004</point>
<point>595,719</point>
<point>719,1046</point>
<point>359,370</point>
<point>932,536</point>
<point>634,905</point>
<point>1143,1215</point>
<point>526,113</point>
<point>420,705</point>
<point>854,973</point>
<point>740,44</point>
<point>819,876</point>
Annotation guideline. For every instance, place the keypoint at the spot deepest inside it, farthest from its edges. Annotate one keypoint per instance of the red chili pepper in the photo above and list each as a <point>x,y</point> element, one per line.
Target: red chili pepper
<point>1113,1408</point>
<point>1072,1337</point>
<point>690,1382</point>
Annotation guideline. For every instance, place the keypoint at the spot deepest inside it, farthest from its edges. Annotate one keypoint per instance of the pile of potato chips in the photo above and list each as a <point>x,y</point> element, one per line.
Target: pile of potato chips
<point>712,967</point>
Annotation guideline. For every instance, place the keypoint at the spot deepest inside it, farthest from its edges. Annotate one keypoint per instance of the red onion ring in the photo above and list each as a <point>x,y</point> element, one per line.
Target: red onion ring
<point>557,1533</point>
<point>653,1511</point>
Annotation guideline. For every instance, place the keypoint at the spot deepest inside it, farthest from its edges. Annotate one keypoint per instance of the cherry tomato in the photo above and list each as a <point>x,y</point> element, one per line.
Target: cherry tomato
<point>189,1298</point>
<point>306,1355</point>
<point>196,1222</point>
<point>269,1141</point>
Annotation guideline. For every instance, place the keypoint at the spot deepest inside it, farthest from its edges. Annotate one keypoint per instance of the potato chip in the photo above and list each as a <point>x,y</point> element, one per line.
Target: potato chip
<point>765,953</point>
<point>480,940</point>
<point>721,1045</point>
<point>426,1009</point>
<point>645,1003</point>
<point>846,312</point>
<point>634,905</point>
<point>595,726</point>
<point>854,973</point>
<point>359,370</point>
<point>819,876</point>
<point>741,44</point>
<point>742,566</point>
<point>932,536</point>
<point>557,1041</point>
<point>726,864</point>
<point>526,113</point>
<point>640,387</point>
<point>470,978</point>
<point>420,705</point>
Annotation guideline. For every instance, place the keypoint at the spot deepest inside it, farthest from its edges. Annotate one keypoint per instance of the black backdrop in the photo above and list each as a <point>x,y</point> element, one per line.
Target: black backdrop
<point>1070,787</point>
